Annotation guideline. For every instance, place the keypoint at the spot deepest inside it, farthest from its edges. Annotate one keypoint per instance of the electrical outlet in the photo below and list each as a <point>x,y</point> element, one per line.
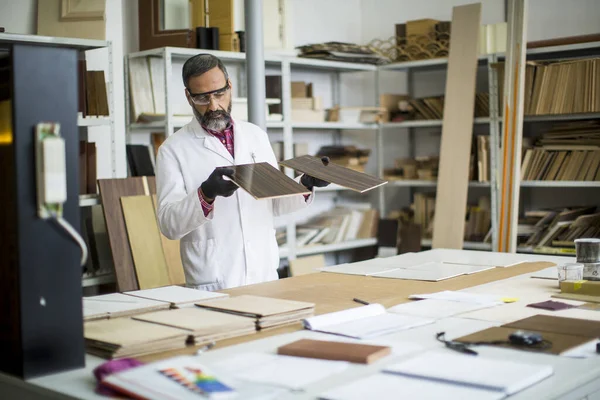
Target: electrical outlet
<point>51,173</point>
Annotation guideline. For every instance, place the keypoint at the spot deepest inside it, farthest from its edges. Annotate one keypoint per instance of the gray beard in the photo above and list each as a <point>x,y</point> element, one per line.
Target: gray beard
<point>214,124</point>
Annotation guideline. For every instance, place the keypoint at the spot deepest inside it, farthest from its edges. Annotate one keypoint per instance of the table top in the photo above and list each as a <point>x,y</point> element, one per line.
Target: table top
<point>573,378</point>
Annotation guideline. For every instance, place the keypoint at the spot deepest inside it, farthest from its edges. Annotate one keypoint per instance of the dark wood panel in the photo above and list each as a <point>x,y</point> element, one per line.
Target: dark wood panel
<point>333,173</point>
<point>111,191</point>
<point>562,325</point>
<point>263,181</point>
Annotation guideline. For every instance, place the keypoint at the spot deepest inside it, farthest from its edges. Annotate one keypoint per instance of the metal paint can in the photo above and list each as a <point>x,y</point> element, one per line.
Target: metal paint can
<point>587,250</point>
<point>591,271</point>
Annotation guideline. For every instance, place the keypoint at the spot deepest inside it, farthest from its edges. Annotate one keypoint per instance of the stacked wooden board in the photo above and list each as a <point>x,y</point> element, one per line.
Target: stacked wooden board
<point>568,152</point>
<point>559,87</point>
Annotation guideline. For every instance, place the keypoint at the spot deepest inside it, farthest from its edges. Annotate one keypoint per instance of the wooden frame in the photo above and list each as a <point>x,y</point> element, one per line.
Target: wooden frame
<point>152,37</point>
<point>82,10</point>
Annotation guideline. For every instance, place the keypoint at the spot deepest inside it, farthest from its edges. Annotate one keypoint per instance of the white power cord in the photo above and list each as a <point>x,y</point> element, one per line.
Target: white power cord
<point>74,234</point>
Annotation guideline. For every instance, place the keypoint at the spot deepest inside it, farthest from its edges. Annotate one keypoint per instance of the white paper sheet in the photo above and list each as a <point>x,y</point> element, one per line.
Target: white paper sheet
<point>586,350</point>
<point>504,376</point>
<point>433,308</point>
<point>418,275</point>
<point>280,371</point>
<point>320,321</point>
<point>176,294</point>
<point>460,296</point>
<point>364,268</point>
<point>450,268</point>
<point>364,322</point>
<point>390,387</point>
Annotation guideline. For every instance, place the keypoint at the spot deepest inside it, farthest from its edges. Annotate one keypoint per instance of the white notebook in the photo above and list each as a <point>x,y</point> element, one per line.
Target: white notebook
<point>364,322</point>
<point>177,294</point>
<point>394,387</point>
<point>503,376</point>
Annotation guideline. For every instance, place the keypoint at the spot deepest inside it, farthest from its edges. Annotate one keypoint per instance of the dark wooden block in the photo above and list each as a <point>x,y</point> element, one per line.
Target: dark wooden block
<point>333,173</point>
<point>263,181</point>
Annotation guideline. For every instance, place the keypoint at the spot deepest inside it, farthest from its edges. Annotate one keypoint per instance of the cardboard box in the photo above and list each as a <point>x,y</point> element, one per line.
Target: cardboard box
<point>308,115</point>
<point>590,288</point>
<point>421,27</point>
<point>301,89</point>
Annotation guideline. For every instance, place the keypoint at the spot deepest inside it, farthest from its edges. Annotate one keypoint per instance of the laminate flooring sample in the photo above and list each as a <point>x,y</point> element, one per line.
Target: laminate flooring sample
<point>172,254</point>
<point>457,129</point>
<point>263,181</point>
<point>144,239</point>
<point>111,191</point>
<point>333,173</point>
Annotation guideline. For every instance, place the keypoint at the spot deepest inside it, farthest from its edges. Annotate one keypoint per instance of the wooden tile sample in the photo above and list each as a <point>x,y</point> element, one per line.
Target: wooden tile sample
<point>172,254</point>
<point>562,325</point>
<point>560,342</point>
<point>337,351</point>
<point>263,181</point>
<point>201,322</point>
<point>111,191</point>
<point>457,129</point>
<point>333,173</point>
<point>144,239</point>
<point>256,305</point>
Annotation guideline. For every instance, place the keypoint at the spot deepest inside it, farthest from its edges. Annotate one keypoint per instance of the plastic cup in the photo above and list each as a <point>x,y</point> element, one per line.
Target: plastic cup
<point>570,272</point>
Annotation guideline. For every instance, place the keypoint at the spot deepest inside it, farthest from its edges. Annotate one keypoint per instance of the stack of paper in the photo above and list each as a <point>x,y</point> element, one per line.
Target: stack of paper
<point>390,387</point>
<point>278,370</point>
<point>126,337</point>
<point>206,326</point>
<point>500,376</point>
<point>364,322</point>
<point>177,295</point>
<point>267,312</point>
<point>118,305</point>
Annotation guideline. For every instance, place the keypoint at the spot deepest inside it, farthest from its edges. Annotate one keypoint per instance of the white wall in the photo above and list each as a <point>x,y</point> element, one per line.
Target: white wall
<point>18,16</point>
<point>317,21</point>
<point>549,19</point>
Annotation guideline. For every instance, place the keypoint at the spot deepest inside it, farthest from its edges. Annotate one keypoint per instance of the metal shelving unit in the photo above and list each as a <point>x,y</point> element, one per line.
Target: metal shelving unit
<point>492,121</point>
<point>560,184</point>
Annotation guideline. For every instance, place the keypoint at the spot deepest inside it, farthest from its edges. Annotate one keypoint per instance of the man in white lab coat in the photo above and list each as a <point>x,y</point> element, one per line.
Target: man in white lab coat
<point>227,236</point>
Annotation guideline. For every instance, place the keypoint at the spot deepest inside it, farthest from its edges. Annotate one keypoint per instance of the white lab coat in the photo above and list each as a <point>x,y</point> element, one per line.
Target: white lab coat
<point>235,245</point>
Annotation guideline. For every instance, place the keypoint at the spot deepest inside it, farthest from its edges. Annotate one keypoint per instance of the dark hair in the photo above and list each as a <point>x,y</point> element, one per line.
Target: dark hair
<point>200,64</point>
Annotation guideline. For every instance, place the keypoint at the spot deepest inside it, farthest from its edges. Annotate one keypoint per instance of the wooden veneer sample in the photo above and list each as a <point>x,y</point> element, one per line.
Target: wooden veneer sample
<point>337,351</point>
<point>111,191</point>
<point>172,254</point>
<point>263,181</point>
<point>457,129</point>
<point>333,173</point>
<point>144,239</point>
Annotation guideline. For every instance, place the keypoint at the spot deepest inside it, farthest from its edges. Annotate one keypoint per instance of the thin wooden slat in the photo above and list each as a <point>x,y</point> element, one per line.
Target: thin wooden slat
<point>263,181</point>
<point>513,127</point>
<point>172,255</point>
<point>144,239</point>
<point>334,173</point>
<point>457,129</point>
<point>111,191</point>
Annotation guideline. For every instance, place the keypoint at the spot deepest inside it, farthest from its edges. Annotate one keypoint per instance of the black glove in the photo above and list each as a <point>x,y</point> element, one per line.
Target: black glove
<point>215,185</point>
<point>310,181</point>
